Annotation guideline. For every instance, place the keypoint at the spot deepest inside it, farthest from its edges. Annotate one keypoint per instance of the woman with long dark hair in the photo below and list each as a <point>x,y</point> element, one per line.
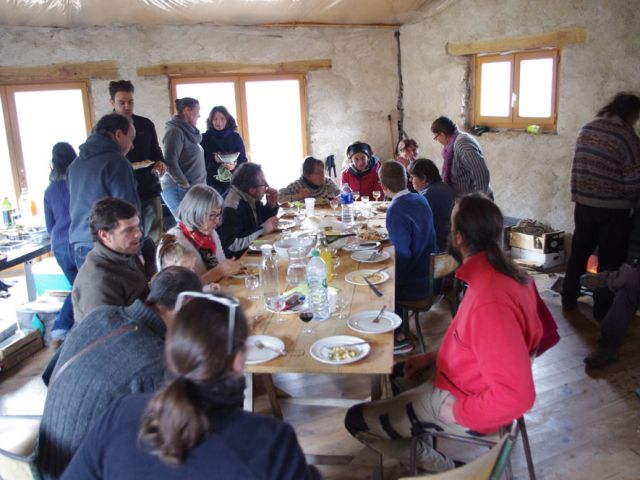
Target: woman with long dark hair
<point>195,426</point>
<point>221,137</point>
<point>58,220</point>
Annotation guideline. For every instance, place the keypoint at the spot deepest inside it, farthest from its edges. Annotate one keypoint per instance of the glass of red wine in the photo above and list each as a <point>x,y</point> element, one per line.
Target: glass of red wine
<point>306,316</point>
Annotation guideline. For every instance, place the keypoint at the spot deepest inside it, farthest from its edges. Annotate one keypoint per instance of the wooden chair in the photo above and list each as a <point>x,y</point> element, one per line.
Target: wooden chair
<point>18,436</point>
<point>490,466</point>
<point>443,265</point>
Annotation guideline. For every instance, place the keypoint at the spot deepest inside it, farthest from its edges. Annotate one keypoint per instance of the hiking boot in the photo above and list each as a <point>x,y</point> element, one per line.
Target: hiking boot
<point>600,359</point>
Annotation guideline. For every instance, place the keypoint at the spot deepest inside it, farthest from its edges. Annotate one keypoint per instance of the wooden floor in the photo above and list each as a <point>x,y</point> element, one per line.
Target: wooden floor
<point>581,427</point>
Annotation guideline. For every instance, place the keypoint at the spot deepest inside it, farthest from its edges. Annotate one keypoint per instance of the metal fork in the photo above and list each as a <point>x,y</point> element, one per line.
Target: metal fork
<point>262,346</point>
<point>377,319</point>
<point>369,275</point>
<point>376,253</point>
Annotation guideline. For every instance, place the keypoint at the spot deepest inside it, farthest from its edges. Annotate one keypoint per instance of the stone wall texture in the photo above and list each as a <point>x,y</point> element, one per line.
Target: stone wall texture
<point>352,101</point>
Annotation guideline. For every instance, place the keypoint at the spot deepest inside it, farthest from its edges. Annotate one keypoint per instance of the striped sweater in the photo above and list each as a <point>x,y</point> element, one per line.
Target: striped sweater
<point>469,172</point>
<point>606,165</point>
<point>322,194</point>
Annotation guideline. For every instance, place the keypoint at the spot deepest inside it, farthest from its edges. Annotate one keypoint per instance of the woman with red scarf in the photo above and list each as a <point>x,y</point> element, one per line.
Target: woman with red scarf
<point>198,216</point>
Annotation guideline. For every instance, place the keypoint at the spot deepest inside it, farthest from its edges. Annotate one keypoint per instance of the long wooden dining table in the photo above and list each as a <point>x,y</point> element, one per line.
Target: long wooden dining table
<point>289,328</point>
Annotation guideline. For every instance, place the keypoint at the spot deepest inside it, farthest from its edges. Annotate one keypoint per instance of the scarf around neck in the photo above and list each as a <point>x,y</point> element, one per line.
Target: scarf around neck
<point>205,245</point>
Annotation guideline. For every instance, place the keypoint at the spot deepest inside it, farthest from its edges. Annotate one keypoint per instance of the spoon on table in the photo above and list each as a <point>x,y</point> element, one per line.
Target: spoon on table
<point>262,346</point>
<point>377,319</point>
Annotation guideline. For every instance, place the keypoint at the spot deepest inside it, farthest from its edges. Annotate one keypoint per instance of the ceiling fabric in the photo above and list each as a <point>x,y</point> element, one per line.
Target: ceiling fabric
<point>80,13</point>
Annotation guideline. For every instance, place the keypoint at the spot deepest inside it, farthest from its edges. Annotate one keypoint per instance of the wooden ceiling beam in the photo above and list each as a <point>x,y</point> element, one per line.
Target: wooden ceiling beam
<point>106,69</point>
<point>212,68</point>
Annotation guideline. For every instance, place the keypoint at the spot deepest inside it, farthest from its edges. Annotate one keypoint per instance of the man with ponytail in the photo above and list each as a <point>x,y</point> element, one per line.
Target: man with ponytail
<point>482,377</point>
<point>115,350</point>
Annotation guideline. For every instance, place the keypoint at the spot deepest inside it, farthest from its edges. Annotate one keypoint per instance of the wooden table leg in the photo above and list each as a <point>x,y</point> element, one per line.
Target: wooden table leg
<point>376,386</point>
<point>272,394</point>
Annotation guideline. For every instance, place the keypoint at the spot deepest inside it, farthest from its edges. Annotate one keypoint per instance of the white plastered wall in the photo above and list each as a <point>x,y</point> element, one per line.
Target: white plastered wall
<point>530,175</point>
<point>347,103</point>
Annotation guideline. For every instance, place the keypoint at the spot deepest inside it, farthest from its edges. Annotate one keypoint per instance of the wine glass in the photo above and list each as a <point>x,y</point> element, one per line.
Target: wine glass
<point>306,316</point>
<point>334,203</point>
<point>278,304</point>
<point>356,195</point>
<point>376,195</point>
<point>252,283</point>
<point>364,199</point>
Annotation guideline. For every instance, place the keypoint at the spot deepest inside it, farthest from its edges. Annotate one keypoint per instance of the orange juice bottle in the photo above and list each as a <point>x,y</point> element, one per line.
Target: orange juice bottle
<point>325,254</point>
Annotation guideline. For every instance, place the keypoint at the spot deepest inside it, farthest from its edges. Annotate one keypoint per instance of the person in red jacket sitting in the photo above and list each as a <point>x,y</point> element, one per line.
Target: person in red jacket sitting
<point>361,170</point>
<point>482,371</point>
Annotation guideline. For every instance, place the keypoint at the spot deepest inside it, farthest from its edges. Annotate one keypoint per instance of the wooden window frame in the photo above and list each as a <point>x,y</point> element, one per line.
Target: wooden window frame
<point>515,58</point>
<point>7,96</point>
<point>241,99</point>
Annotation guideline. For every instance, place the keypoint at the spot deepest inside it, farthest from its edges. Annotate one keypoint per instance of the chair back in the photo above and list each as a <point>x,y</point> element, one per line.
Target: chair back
<point>489,466</point>
<point>443,265</point>
<point>18,435</point>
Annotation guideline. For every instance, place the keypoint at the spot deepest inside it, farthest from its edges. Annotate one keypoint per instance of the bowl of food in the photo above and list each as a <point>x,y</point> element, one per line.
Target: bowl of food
<point>304,242</point>
<point>228,157</point>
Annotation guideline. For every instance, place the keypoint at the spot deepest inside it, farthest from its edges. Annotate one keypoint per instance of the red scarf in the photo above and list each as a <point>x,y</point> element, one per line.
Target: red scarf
<point>204,243</point>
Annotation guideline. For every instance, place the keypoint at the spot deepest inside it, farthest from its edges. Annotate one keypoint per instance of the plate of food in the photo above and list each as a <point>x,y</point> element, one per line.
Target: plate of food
<point>376,234</point>
<point>375,277</point>
<point>263,348</point>
<point>256,245</point>
<point>228,157</point>
<point>247,269</point>
<point>370,256</point>
<point>285,224</point>
<point>382,207</point>
<point>142,164</point>
<point>365,322</point>
<point>357,245</point>
<point>339,349</point>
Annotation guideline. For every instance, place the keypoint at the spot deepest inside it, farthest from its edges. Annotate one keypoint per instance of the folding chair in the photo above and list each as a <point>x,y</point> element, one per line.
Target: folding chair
<point>443,265</point>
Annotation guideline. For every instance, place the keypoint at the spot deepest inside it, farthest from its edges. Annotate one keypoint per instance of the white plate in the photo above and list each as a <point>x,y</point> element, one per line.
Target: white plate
<point>256,355</point>
<point>383,236</point>
<point>355,278</point>
<point>358,245</point>
<point>286,224</point>
<point>320,349</point>
<point>257,244</point>
<point>364,256</point>
<point>253,266</point>
<point>363,322</point>
<point>142,164</point>
<point>332,294</point>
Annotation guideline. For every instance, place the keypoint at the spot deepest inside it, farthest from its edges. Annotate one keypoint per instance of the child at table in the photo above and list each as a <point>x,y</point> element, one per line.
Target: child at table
<point>172,253</point>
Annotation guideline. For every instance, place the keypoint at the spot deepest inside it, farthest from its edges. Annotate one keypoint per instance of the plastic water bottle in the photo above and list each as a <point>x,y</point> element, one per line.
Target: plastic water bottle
<point>318,287</point>
<point>269,276</point>
<point>7,212</point>
<point>346,199</point>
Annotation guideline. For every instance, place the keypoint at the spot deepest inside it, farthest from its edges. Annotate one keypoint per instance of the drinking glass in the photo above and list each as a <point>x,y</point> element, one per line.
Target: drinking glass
<point>306,316</point>
<point>376,195</point>
<point>356,195</point>
<point>297,269</point>
<point>334,203</point>
<point>278,305</point>
<point>343,299</point>
<point>335,260</point>
<point>364,199</point>
<point>252,283</point>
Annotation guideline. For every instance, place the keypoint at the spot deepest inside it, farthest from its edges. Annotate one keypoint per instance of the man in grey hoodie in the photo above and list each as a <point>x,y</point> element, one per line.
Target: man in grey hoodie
<point>101,170</point>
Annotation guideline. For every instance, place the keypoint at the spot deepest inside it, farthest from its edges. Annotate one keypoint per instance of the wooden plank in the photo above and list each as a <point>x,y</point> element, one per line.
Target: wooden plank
<point>558,38</point>
<point>212,68</point>
<point>106,69</point>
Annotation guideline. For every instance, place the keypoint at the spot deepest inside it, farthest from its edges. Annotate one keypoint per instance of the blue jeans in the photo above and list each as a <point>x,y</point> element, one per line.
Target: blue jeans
<point>64,321</point>
<point>172,198</point>
<point>80,254</point>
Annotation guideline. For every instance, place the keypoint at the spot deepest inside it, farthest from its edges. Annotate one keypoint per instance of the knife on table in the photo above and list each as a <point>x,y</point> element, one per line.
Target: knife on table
<point>372,287</point>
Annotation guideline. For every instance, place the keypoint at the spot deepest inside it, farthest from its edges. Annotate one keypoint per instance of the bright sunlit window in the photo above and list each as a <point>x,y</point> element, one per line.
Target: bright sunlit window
<point>269,110</point>
<point>516,89</point>
<point>39,116</point>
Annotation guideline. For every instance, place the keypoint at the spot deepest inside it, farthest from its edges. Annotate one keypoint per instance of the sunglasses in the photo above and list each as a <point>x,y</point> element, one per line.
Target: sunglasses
<point>231,303</point>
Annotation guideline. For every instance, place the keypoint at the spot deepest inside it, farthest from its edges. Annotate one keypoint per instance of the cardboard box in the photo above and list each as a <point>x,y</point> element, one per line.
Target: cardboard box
<point>17,348</point>
<point>546,243</point>
<point>542,260</point>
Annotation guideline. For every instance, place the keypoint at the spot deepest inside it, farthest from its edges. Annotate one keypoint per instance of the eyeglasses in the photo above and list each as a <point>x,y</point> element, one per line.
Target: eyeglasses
<point>217,214</point>
<point>265,185</point>
<point>437,135</point>
<point>230,302</point>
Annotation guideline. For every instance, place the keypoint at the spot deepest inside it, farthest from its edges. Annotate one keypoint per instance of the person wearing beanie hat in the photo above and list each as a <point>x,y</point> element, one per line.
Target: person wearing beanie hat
<point>361,169</point>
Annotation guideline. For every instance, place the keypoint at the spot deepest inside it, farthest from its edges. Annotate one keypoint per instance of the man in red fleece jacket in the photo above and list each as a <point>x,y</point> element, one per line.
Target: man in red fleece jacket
<point>483,370</point>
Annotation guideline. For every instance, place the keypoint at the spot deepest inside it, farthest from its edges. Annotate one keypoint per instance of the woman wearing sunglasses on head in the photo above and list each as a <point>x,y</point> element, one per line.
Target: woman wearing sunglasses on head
<point>194,427</point>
